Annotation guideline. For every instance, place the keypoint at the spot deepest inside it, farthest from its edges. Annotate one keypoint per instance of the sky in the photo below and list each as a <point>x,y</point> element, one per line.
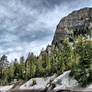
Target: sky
<point>29,25</point>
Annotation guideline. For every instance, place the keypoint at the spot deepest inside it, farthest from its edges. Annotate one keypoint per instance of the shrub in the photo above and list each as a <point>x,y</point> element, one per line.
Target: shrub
<point>33,83</point>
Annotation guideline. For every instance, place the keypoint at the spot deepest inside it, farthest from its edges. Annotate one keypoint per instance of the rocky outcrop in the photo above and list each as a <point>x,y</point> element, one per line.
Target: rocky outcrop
<point>39,84</point>
<point>5,88</point>
<point>53,83</point>
<point>76,22</point>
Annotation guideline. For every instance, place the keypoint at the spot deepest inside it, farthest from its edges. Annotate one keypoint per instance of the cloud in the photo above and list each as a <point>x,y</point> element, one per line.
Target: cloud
<point>29,25</point>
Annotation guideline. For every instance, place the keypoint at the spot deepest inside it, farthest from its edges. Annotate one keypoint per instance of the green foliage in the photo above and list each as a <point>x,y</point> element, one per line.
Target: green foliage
<point>22,68</point>
<point>27,70</point>
<point>55,59</point>
<point>33,82</point>
<point>82,69</point>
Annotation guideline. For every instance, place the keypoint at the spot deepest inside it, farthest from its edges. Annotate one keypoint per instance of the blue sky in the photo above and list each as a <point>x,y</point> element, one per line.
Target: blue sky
<point>29,25</point>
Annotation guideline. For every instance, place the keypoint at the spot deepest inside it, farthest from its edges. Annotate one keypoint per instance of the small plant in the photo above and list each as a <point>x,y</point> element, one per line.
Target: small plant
<point>53,85</point>
<point>34,83</point>
<point>51,81</point>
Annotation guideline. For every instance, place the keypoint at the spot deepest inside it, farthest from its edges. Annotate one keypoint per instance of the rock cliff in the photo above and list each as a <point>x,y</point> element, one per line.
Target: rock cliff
<point>76,22</point>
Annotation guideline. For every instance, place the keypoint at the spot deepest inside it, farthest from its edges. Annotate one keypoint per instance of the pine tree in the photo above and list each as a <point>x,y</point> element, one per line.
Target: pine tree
<point>3,64</point>
<point>53,60</point>
<point>27,69</point>
<point>40,69</point>
<point>22,67</point>
<point>11,71</point>
<point>60,63</point>
<point>48,64</point>
<point>67,54</point>
<point>17,69</point>
<point>33,69</point>
<point>82,70</point>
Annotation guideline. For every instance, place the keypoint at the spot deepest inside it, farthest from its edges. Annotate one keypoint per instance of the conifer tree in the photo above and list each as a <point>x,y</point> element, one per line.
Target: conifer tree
<point>67,54</point>
<point>11,71</point>
<point>22,67</point>
<point>40,69</point>
<point>17,69</point>
<point>82,70</point>
<point>27,69</point>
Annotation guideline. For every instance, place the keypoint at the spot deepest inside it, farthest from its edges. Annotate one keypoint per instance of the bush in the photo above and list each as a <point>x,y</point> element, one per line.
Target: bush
<point>82,70</point>
<point>33,83</point>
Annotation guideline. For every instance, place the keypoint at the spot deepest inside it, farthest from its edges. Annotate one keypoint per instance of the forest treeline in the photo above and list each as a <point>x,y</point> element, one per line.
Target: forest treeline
<point>75,56</point>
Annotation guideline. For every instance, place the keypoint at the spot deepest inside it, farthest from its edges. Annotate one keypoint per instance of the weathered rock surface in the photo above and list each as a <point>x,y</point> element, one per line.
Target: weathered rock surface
<point>64,82</point>
<point>5,88</point>
<point>76,22</point>
<point>53,84</point>
<point>40,83</point>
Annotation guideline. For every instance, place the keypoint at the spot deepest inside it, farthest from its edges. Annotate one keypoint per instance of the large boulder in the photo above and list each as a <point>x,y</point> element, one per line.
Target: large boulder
<point>39,84</point>
<point>53,83</point>
<point>63,82</point>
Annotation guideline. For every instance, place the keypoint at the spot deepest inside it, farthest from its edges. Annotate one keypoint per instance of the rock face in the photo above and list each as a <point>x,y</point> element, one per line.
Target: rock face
<point>55,83</point>
<point>40,83</point>
<point>64,82</point>
<point>76,22</point>
<point>51,84</point>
